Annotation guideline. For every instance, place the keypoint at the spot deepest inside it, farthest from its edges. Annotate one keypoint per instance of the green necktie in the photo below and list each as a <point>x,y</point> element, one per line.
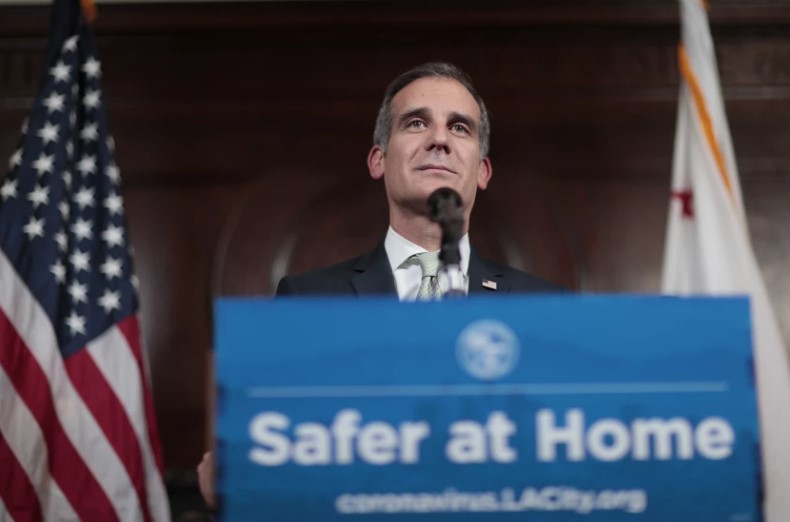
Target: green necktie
<point>429,287</point>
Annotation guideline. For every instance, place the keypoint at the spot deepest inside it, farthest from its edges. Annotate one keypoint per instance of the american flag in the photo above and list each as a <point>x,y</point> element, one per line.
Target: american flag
<point>78,437</point>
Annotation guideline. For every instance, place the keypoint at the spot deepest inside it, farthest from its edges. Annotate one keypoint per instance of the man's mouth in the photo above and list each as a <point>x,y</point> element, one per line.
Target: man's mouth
<point>433,167</point>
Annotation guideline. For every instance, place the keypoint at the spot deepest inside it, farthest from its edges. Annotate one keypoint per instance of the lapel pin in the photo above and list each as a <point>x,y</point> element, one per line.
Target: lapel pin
<point>491,285</point>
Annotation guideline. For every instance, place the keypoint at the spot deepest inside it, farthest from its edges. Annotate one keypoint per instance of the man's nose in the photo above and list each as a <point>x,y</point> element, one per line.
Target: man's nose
<point>439,139</point>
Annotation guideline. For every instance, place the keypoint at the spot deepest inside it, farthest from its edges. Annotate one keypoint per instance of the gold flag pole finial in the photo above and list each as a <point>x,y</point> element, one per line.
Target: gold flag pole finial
<point>89,10</point>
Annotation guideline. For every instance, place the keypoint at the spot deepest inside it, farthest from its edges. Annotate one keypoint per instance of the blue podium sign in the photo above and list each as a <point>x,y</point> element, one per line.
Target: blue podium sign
<point>548,408</point>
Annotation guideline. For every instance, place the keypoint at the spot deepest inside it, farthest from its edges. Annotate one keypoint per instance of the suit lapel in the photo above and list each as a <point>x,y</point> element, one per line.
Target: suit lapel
<point>373,274</point>
<point>480,272</point>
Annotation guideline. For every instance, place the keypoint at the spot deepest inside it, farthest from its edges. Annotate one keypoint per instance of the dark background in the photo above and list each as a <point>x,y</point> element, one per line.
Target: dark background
<point>242,131</point>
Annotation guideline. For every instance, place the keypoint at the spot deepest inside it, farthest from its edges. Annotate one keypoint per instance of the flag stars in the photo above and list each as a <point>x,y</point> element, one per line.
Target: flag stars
<point>71,43</point>
<point>62,240</point>
<point>79,156</point>
<point>44,163</point>
<point>54,103</point>
<point>80,260</point>
<point>87,165</point>
<point>76,323</point>
<point>78,292</point>
<point>113,172</point>
<point>84,197</point>
<point>90,132</point>
<point>34,228</point>
<point>82,229</point>
<point>114,203</point>
<point>59,271</point>
<point>61,72</point>
<point>113,236</point>
<point>49,133</point>
<point>91,99</point>
<point>8,190</point>
<point>110,301</point>
<point>111,268</point>
<point>39,196</point>
<point>16,159</point>
<point>92,68</point>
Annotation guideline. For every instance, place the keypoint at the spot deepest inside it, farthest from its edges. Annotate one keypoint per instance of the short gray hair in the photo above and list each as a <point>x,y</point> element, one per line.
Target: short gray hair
<point>381,134</point>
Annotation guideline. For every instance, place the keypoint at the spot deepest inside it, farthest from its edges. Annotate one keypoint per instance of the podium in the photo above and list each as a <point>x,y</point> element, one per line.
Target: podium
<point>551,408</point>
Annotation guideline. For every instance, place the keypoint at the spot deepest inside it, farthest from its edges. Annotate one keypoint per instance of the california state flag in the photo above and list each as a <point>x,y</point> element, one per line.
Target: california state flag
<point>708,250</point>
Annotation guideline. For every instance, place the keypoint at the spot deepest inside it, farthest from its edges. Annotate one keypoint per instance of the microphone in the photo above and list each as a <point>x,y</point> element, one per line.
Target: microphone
<point>444,206</point>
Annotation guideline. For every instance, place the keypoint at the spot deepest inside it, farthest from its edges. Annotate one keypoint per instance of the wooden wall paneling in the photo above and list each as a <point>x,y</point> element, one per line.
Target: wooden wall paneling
<point>259,236</point>
<point>174,232</point>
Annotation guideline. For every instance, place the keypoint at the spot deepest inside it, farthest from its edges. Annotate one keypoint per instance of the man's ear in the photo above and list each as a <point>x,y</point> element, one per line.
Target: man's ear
<point>484,173</point>
<point>376,162</point>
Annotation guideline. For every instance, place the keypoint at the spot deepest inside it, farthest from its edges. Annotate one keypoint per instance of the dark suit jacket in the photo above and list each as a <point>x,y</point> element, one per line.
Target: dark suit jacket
<point>371,274</point>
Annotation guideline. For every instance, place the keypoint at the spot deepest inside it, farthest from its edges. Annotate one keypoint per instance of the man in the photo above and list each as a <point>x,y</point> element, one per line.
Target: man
<point>432,131</point>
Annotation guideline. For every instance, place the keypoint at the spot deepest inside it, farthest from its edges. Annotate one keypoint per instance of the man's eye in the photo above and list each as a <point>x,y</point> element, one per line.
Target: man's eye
<point>416,124</point>
<point>460,128</point>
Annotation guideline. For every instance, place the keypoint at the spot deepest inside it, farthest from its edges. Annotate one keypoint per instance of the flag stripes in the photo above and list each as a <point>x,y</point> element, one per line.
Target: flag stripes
<point>21,433</point>
<point>65,464</point>
<point>102,402</point>
<point>23,498</point>
<point>92,470</point>
<point>130,330</point>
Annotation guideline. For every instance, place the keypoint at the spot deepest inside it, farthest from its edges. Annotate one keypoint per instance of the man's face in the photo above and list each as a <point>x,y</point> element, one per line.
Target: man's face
<point>433,143</point>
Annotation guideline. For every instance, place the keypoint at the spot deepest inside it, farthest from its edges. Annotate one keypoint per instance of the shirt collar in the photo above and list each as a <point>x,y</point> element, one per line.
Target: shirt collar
<point>399,249</point>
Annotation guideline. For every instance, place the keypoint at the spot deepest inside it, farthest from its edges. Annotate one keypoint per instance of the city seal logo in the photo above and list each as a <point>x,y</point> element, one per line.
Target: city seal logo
<point>487,349</point>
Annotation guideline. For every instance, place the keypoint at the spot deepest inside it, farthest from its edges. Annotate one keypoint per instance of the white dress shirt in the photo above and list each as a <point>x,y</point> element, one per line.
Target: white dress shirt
<point>408,274</point>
